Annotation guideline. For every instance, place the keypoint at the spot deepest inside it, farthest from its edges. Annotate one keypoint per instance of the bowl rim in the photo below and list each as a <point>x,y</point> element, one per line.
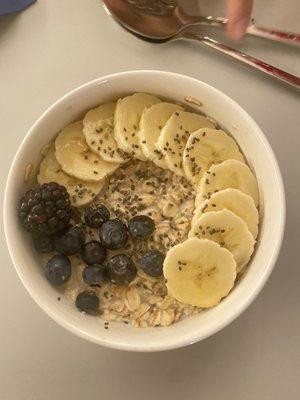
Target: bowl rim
<point>221,322</point>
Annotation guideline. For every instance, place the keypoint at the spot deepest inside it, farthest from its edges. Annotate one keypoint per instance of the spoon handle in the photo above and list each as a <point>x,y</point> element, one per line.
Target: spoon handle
<point>246,59</point>
<point>266,33</point>
<point>274,34</point>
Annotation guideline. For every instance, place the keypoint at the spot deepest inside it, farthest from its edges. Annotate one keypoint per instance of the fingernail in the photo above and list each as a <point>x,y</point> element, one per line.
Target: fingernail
<point>238,29</point>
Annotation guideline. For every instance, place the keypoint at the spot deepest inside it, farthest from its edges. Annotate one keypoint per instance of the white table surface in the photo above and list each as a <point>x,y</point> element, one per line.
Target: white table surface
<point>50,49</point>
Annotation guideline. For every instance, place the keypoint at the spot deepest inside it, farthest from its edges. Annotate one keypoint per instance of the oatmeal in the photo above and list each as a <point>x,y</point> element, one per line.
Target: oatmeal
<point>145,213</point>
<point>141,188</point>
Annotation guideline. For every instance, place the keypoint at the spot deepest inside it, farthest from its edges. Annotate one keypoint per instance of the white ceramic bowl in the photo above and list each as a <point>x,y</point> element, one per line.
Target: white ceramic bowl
<point>259,155</point>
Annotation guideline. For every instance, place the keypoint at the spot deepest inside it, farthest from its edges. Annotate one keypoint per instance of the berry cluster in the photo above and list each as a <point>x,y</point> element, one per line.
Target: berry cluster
<point>69,240</point>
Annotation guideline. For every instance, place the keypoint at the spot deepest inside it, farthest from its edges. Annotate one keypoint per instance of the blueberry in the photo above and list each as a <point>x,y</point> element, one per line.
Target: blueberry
<point>141,227</point>
<point>88,302</point>
<point>58,270</point>
<point>43,244</point>
<point>95,216</point>
<point>122,269</point>
<point>95,274</point>
<point>93,252</point>
<point>70,241</point>
<point>113,234</point>
<point>152,263</point>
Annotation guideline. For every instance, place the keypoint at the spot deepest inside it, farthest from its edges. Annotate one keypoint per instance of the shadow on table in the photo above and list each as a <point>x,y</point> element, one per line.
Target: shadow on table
<point>8,22</point>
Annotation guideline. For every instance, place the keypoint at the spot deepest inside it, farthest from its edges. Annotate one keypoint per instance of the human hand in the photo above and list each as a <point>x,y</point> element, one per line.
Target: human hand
<point>239,13</point>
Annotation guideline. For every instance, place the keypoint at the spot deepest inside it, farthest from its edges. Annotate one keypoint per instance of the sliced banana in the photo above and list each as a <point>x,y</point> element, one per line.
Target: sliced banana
<point>127,120</point>
<point>75,157</point>
<point>233,200</point>
<point>229,174</point>
<point>81,193</point>
<point>199,272</point>
<point>174,135</point>
<point>206,147</point>
<point>153,120</point>
<point>229,230</point>
<point>98,129</point>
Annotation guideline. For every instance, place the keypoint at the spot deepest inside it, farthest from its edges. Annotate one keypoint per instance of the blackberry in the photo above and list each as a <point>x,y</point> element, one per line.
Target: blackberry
<point>45,210</point>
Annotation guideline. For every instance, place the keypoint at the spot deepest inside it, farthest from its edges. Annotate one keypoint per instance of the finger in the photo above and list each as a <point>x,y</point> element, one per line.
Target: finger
<point>239,13</point>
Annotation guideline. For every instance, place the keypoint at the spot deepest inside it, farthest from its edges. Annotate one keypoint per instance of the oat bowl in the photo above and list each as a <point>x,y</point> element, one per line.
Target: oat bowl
<point>144,211</point>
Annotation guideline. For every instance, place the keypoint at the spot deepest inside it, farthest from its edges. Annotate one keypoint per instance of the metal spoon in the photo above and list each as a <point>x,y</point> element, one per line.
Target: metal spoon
<point>160,19</point>
<point>163,21</point>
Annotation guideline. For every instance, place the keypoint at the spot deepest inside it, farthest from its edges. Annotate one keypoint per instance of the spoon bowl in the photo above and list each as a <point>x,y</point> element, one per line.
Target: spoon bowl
<point>154,20</point>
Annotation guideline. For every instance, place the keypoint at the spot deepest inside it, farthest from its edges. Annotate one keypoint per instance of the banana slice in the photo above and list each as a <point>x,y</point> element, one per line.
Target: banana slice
<point>75,157</point>
<point>152,121</point>
<point>229,230</point>
<point>206,147</point>
<point>174,136</point>
<point>127,119</point>
<point>81,193</point>
<point>199,272</point>
<point>229,174</point>
<point>233,200</point>
<point>98,129</point>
